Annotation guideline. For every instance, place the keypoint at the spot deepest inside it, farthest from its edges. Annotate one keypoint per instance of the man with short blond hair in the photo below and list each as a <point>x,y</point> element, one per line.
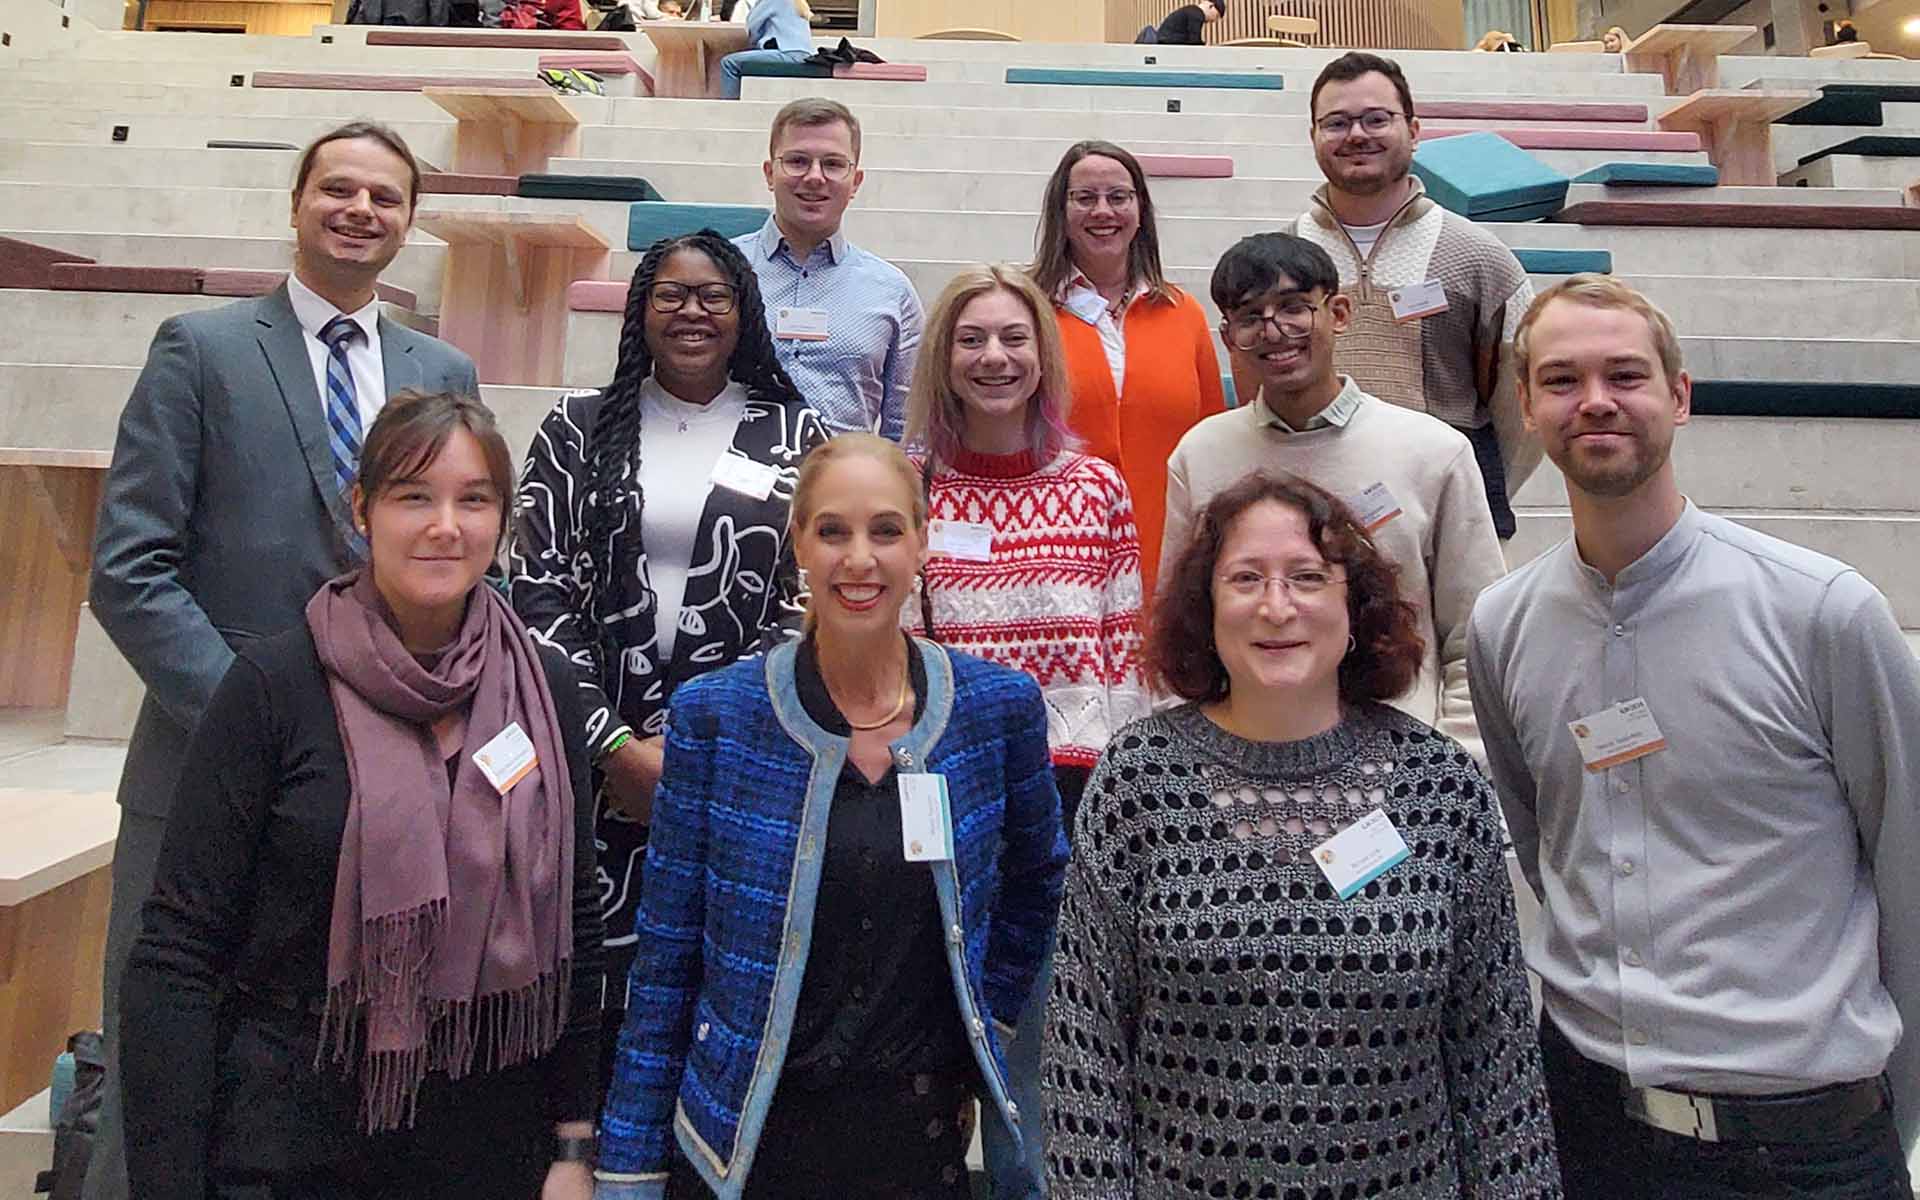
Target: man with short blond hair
<point>846,324</point>
<point>1707,745</point>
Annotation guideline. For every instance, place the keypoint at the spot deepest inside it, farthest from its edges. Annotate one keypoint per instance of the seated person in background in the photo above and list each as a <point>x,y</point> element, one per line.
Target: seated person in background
<point>777,31</point>
<point>1498,40</point>
<point>1614,40</point>
<point>1844,32</point>
<point>1184,26</point>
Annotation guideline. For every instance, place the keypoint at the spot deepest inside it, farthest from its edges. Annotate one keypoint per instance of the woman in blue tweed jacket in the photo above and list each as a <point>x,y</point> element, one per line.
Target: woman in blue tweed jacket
<point>815,996</point>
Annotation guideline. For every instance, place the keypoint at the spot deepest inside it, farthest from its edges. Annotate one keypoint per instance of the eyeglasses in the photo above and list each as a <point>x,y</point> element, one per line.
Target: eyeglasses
<point>798,166</point>
<point>718,299</point>
<point>1299,584</point>
<point>1374,121</point>
<point>1293,320</point>
<point>1088,199</point>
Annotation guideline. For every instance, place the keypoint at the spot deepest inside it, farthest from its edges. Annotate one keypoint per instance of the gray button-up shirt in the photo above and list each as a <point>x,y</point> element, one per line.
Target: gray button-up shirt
<point>1738,912</point>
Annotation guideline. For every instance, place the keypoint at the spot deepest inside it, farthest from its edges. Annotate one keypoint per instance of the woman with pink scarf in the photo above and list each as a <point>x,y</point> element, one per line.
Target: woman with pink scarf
<point>371,965</point>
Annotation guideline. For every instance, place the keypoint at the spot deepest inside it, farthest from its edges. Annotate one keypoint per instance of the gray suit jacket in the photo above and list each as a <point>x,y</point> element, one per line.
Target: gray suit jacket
<point>219,519</point>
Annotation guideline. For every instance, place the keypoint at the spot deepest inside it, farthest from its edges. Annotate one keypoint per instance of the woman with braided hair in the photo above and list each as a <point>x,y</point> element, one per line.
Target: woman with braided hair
<point>650,543</point>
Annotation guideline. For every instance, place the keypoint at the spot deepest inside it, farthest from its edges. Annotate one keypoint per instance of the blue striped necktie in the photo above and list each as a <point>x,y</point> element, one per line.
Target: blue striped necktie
<point>343,407</point>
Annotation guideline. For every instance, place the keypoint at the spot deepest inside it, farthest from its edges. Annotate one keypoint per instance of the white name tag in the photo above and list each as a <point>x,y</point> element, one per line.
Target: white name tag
<point>745,476</point>
<point>1360,853</point>
<point>969,541</point>
<point>800,324</point>
<point>507,759</point>
<point>1374,507</point>
<point>1617,735</point>
<point>1417,300</point>
<point>926,818</point>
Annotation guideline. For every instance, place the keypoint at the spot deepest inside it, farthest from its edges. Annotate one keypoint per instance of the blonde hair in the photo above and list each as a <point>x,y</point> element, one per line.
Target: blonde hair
<point>1493,39</point>
<point>1616,31</point>
<point>935,415</point>
<point>1598,291</point>
<point>851,445</point>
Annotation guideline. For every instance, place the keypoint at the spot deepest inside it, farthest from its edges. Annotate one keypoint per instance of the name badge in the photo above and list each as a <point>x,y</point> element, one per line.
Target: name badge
<point>800,324</point>
<point>1360,853</point>
<point>969,541</point>
<point>1374,507</point>
<point>926,818</point>
<point>745,476</point>
<point>1417,300</point>
<point>507,759</point>
<point>1617,735</point>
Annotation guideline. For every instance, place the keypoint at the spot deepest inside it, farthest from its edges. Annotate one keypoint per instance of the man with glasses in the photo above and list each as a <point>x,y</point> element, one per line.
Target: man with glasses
<point>846,323</point>
<point>1410,479</point>
<point>1435,297</point>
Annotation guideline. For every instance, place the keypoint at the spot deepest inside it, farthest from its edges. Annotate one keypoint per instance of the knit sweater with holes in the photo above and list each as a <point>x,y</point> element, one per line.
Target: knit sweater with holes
<point>1221,1024</point>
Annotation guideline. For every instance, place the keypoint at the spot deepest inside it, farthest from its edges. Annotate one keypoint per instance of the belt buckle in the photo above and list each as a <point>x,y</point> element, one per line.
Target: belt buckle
<point>1674,1112</point>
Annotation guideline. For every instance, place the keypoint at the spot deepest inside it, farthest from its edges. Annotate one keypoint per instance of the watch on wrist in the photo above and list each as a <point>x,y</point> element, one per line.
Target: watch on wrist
<point>576,1149</point>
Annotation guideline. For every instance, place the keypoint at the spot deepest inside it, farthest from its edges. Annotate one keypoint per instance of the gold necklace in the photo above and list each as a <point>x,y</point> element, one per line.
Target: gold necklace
<point>906,690</point>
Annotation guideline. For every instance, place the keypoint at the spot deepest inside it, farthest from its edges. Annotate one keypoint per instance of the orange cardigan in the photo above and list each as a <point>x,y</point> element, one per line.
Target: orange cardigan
<point>1172,381</point>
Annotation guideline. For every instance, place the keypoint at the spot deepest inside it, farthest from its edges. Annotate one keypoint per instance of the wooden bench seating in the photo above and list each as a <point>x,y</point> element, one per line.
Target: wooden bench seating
<point>1737,126</point>
<point>1686,57</point>
<point>1529,110</point>
<point>597,295</point>
<point>622,75</point>
<point>497,39</point>
<point>1739,216</point>
<point>894,72</point>
<point>326,81</point>
<point>467,183</point>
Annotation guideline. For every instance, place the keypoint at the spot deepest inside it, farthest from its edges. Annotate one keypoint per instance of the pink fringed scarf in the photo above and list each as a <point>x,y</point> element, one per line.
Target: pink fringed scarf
<point>452,936</point>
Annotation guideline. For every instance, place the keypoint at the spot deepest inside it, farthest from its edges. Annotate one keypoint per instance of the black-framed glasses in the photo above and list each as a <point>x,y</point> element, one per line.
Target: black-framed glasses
<point>1088,199</point>
<point>1373,122</point>
<point>795,165</point>
<point>1292,319</point>
<point>718,299</point>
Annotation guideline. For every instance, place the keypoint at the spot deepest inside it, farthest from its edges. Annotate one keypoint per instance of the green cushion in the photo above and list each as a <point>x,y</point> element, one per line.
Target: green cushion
<point>775,68</point>
<point>1872,145</point>
<point>1836,108</point>
<point>1565,262</point>
<point>1485,177</point>
<point>1754,398</point>
<point>586,187</point>
<point>649,221</point>
<point>1650,174</point>
<point>1095,77</point>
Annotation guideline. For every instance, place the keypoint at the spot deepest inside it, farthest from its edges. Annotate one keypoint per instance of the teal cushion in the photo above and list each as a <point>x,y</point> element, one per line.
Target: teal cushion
<point>774,68</point>
<point>1485,177</point>
<point>1565,262</point>
<point>1650,174</point>
<point>649,221</point>
<point>1755,398</point>
<point>1091,77</point>
<point>586,187</point>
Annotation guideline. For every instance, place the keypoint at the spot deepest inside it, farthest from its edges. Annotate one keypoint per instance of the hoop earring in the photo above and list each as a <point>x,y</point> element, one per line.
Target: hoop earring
<point>1351,645</point>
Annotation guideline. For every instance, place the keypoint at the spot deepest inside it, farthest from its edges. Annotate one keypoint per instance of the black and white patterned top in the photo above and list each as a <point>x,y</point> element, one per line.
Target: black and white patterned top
<point>1222,1024</point>
<point>741,584</point>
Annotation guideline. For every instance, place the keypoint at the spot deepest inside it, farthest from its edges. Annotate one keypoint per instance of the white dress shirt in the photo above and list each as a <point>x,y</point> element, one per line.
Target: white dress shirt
<point>1084,300</point>
<point>363,353</point>
<point>679,445</point>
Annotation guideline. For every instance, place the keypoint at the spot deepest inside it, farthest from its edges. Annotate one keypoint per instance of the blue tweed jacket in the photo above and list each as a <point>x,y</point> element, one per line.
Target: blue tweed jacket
<point>733,870</point>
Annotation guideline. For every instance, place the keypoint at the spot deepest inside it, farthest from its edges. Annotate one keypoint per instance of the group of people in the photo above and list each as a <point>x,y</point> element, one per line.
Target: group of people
<point>1129,767</point>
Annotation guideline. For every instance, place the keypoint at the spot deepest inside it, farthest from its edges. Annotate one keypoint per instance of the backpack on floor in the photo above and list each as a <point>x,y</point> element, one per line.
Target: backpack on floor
<point>77,1120</point>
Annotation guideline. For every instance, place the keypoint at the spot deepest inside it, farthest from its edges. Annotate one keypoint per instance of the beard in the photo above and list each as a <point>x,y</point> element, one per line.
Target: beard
<point>1392,166</point>
<point>1618,476</point>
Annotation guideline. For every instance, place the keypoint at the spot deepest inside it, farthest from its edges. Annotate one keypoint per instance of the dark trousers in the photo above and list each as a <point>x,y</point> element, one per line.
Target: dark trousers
<point>1493,475</point>
<point>1606,1155</point>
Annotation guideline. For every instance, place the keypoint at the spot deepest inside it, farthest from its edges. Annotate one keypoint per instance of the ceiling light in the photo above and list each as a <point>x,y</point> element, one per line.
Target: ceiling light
<point>1912,27</point>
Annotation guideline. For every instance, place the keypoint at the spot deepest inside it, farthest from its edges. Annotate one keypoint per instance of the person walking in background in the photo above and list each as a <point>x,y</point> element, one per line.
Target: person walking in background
<point>1034,565</point>
<point>1184,26</point>
<point>399,779</point>
<point>225,506</point>
<point>651,544</point>
<point>1288,949</point>
<point>1139,354</point>
<point>845,323</point>
<point>855,865</point>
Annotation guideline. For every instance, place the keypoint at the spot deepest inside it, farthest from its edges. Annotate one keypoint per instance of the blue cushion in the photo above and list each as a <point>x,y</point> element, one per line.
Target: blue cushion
<point>1485,177</point>
<point>1565,262</point>
<point>650,220</point>
<point>1092,77</point>
<point>1651,174</point>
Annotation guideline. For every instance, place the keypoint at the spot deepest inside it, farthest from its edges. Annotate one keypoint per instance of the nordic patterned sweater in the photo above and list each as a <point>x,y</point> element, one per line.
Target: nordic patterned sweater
<point>1222,1024</point>
<point>1059,598</point>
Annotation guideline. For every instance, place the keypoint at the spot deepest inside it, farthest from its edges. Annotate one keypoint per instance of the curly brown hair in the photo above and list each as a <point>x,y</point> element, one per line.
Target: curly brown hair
<point>1180,654</point>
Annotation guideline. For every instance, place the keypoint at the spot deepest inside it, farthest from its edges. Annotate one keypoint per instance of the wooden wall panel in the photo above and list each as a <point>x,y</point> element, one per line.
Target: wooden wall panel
<point>293,18</point>
<point>1344,24</point>
<point>51,955</point>
<point>43,578</point>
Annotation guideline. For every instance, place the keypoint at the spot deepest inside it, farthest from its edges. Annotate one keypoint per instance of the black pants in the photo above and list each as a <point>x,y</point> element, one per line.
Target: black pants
<point>1607,1155</point>
<point>1493,475</point>
<point>884,1138</point>
<point>283,1131</point>
<point>1071,783</point>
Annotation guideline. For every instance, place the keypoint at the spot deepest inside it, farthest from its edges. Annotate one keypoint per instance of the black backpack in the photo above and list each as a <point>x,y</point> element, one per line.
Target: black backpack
<point>77,1121</point>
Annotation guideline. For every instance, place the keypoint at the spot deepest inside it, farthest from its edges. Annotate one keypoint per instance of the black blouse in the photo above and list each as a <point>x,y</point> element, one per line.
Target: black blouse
<point>877,997</point>
<point>243,897</point>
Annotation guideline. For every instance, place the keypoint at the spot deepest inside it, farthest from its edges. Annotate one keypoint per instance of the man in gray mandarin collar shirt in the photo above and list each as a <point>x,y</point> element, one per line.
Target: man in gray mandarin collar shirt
<point>1707,744</point>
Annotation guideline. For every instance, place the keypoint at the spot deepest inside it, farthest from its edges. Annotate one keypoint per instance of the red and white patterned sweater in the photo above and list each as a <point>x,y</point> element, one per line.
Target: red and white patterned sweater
<point>1059,598</point>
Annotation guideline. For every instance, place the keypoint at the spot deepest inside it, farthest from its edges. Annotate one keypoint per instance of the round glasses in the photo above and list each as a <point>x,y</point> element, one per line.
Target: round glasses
<point>1088,199</point>
<point>1292,320</point>
<point>1299,584</point>
<point>718,299</point>
<point>1373,122</point>
<point>832,166</point>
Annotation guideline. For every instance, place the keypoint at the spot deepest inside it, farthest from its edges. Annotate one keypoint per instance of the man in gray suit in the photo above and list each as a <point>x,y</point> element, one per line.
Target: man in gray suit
<point>225,506</point>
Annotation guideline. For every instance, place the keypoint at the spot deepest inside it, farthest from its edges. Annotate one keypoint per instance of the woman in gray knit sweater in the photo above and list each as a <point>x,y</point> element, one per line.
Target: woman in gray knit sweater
<point>1288,962</point>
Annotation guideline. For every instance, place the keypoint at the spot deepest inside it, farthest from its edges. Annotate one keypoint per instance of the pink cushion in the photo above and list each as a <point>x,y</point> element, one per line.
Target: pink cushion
<point>597,295</point>
<point>1530,110</point>
<point>454,183</point>
<point>1585,139</point>
<point>93,277</point>
<point>898,72</point>
<point>1186,166</point>
<point>238,281</point>
<point>26,265</point>
<point>329,81</point>
<point>600,62</point>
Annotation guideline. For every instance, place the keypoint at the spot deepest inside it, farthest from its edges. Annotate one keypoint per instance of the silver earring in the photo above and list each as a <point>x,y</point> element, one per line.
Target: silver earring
<point>1351,645</point>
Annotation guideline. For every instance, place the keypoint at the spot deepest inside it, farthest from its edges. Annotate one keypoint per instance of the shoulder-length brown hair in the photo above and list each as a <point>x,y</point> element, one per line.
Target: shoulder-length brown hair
<point>1053,258</point>
<point>411,431</point>
<point>1181,657</point>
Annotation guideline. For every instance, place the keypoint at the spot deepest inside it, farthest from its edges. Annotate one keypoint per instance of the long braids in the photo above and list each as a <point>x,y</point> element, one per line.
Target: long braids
<point>613,444</point>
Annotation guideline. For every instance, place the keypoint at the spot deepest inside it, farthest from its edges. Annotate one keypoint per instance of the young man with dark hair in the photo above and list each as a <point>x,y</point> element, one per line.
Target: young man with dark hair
<point>1411,480</point>
<point>1185,26</point>
<point>1435,297</point>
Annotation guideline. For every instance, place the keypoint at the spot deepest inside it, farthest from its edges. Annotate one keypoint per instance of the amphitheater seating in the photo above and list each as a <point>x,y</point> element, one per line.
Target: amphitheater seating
<point>648,223</point>
<point>1564,262</point>
<point>457,183</point>
<point>1485,177</point>
<point>1685,56</point>
<point>623,76</point>
<point>326,81</point>
<point>893,72</point>
<point>1740,216</point>
<point>1647,174</point>
<point>474,39</point>
<point>1583,139</point>
<point>778,69</point>
<point>1871,146</point>
<point>1737,126</point>
<point>1827,401</point>
<point>1096,77</point>
<point>1529,110</point>
<point>100,277</point>
<point>27,265</point>
<point>586,187</point>
<point>1186,166</point>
